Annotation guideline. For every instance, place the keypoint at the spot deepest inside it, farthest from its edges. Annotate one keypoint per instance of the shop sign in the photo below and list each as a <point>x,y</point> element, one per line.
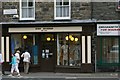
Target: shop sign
<point>47,29</point>
<point>108,29</point>
<point>10,11</point>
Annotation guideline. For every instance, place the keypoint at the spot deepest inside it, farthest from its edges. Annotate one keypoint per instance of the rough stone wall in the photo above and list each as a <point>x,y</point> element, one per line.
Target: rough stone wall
<point>44,11</point>
<point>81,10</point>
<point>9,5</point>
<point>0,11</point>
<point>105,11</point>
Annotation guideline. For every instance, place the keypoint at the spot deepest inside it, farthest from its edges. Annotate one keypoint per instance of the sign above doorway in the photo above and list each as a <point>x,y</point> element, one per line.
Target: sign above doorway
<point>46,29</point>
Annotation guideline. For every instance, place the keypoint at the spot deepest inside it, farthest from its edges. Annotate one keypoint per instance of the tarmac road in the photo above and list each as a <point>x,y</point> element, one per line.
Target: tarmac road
<point>60,79</point>
<point>64,76</point>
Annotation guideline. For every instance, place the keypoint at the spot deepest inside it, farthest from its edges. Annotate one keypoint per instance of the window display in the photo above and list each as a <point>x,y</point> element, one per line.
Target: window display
<point>23,42</point>
<point>68,49</point>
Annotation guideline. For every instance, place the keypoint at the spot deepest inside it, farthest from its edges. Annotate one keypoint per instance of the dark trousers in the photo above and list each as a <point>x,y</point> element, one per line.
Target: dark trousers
<point>2,70</point>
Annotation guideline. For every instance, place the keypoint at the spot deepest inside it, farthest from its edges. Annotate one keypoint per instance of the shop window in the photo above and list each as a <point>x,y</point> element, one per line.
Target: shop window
<point>48,38</point>
<point>69,50</point>
<point>27,9</point>
<point>62,9</point>
<point>118,4</point>
<point>110,50</point>
<point>23,42</point>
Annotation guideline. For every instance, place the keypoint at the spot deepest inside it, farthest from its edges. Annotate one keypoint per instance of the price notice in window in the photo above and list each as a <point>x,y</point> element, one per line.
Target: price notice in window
<point>108,29</point>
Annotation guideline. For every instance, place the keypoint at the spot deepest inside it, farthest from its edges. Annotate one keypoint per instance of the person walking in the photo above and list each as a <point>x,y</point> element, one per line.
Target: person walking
<point>1,61</point>
<point>17,54</point>
<point>14,66</point>
<point>26,59</point>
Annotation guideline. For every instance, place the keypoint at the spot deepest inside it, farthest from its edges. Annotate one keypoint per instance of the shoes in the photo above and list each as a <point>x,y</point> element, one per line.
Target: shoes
<point>14,76</point>
<point>18,75</point>
<point>3,74</point>
<point>26,72</point>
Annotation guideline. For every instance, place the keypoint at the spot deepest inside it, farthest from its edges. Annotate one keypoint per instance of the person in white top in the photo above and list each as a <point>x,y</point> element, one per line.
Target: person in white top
<point>26,59</point>
<point>1,61</point>
<point>17,55</point>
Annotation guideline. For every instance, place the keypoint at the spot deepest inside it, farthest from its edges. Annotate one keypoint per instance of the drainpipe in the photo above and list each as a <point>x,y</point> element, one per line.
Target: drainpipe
<point>94,42</point>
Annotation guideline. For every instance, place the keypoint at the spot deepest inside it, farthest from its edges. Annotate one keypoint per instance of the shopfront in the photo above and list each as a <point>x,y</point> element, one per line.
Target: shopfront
<point>53,48</point>
<point>108,50</point>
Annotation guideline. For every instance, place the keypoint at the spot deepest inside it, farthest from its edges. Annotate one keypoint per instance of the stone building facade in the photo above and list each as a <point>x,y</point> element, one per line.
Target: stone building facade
<point>46,36</point>
<point>79,11</point>
<point>106,11</point>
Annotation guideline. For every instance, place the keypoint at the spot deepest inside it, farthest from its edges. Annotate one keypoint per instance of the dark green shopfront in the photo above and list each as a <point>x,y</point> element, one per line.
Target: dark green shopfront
<point>108,50</point>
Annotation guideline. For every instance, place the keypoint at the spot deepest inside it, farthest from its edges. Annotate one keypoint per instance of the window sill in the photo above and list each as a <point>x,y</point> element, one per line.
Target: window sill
<point>26,20</point>
<point>62,66</point>
<point>62,20</point>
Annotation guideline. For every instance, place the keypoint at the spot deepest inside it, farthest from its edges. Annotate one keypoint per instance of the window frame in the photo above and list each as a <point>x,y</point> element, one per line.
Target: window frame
<point>118,4</point>
<point>28,18</point>
<point>60,18</point>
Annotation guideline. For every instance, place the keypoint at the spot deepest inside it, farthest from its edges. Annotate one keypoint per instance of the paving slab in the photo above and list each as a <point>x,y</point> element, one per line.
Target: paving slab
<point>65,75</point>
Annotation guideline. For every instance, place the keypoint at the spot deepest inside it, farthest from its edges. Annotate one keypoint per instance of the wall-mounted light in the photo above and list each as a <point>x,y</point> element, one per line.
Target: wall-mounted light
<point>48,39</point>
<point>25,37</point>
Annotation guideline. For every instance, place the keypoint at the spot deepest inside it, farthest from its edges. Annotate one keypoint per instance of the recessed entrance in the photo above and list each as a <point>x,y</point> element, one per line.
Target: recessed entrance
<point>47,62</point>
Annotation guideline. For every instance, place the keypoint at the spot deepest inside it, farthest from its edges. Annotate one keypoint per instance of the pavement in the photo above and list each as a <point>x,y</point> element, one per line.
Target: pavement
<point>66,75</point>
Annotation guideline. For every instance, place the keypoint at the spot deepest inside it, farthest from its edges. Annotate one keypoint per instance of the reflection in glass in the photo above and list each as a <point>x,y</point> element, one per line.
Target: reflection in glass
<point>62,8</point>
<point>24,13</point>
<point>27,8</point>
<point>30,12</point>
<point>110,50</point>
<point>68,49</point>
<point>59,11</point>
<point>74,50</point>
<point>58,2</point>
<point>30,3</point>
<point>29,43</point>
<point>63,50</point>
